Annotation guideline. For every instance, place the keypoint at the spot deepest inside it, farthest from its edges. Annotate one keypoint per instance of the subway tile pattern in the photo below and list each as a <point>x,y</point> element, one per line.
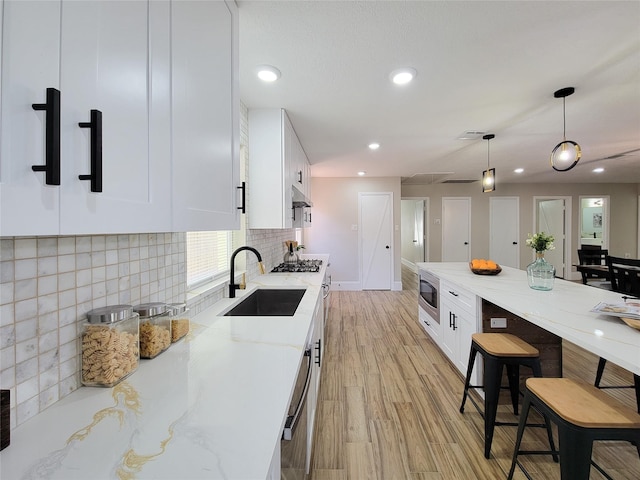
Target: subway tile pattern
<point>47,284</point>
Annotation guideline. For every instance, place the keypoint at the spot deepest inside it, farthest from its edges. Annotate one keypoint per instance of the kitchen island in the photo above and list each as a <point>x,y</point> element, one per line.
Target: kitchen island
<point>563,311</point>
<point>212,406</point>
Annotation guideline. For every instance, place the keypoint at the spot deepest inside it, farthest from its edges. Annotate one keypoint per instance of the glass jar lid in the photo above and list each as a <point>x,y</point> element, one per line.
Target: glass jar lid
<point>178,308</point>
<point>110,314</point>
<point>151,309</point>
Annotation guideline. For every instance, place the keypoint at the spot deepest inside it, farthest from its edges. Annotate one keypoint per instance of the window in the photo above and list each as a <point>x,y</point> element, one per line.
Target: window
<point>207,256</point>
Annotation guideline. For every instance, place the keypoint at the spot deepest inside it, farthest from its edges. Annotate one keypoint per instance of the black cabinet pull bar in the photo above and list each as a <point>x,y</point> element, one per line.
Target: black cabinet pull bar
<point>51,165</point>
<point>243,206</point>
<point>96,150</point>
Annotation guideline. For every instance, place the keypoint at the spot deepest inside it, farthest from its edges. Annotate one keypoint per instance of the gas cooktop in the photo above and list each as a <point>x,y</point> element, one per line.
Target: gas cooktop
<point>311,266</point>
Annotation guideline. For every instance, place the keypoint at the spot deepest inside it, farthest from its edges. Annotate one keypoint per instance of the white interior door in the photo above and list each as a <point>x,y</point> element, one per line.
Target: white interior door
<point>376,237</point>
<point>504,220</point>
<point>456,229</point>
<point>551,220</point>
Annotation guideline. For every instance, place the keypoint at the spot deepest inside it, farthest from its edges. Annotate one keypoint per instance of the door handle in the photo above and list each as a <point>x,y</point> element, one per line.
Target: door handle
<point>51,165</point>
<point>95,126</point>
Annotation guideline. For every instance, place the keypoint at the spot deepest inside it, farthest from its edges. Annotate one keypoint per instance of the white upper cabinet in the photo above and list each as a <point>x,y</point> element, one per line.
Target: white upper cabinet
<point>30,65</point>
<point>270,169</point>
<point>206,116</point>
<point>276,166</point>
<point>159,77</point>
<point>115,59</point>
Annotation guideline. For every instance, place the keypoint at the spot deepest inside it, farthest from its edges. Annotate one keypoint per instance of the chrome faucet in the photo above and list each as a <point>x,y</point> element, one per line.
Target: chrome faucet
<point>234,286</point>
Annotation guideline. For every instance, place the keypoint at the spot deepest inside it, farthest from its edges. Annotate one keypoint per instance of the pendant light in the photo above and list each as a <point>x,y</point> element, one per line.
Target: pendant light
<point>567,153</point>
<point>488,175</point>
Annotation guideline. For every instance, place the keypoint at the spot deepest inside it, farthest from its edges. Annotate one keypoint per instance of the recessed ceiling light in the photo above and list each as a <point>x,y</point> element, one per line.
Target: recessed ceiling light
<point>267,73</point>
<point>402,76</point>
<point>374,146</point>
<point>519,170</point>
<point>598,170</point>
<point>361,173</point>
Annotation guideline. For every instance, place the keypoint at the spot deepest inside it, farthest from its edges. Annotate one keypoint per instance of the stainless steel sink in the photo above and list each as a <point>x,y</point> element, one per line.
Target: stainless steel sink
<point>266,302</point>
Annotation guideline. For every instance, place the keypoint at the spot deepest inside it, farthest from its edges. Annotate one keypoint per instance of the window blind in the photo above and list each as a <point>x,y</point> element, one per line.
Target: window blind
<point>207,256</point>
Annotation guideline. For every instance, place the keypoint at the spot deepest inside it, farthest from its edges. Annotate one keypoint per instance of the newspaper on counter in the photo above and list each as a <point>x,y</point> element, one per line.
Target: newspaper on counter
<point>621,309</point>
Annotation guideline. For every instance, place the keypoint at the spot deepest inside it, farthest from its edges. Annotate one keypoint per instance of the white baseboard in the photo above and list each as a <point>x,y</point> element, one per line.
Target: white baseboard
<point>345,286</point>
<point>409,264</point>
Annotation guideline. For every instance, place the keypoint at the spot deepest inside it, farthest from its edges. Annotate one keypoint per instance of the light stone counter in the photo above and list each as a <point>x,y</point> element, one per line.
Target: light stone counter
<point>563,311</point>
<point>212,406</point>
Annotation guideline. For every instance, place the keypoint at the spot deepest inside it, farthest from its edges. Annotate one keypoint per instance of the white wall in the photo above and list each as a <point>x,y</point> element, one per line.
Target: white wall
<point>623,213</point>
<point>335,213</point>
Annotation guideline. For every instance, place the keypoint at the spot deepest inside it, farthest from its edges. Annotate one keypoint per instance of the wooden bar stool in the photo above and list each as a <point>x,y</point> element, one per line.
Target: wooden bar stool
<point>583,413</point>
<point>499,350</point>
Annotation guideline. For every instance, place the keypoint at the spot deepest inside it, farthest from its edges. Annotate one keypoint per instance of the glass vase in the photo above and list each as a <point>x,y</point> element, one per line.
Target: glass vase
<point>541,274</point>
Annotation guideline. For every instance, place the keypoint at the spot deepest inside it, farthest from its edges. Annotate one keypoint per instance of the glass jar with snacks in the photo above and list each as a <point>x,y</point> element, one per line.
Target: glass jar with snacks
<point>110,345</point>
<point>180,319</point>
<point>155,328</point>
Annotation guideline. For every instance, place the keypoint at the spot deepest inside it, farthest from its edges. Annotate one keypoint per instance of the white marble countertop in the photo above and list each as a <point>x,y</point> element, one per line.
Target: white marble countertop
<point>563,310</point>
<point>212,406</point>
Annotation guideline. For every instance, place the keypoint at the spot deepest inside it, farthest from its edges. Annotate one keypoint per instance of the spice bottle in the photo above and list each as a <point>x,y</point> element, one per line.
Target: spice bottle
<point>110,345</point>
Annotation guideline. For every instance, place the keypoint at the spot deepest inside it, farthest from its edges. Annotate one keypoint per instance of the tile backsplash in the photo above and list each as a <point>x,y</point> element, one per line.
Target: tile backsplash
<point>47,284</point>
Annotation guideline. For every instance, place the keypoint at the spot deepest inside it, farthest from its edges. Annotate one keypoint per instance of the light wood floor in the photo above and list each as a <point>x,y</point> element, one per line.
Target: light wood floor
<point>389,403</point>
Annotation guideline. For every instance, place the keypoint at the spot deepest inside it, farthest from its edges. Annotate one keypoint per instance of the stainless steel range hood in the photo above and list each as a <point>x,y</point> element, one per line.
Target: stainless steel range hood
<point>299,200</point>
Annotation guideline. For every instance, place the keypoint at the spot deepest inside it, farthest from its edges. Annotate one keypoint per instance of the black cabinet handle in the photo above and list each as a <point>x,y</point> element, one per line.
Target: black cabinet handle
<point>515,243</point>
<point>300,176</point>
<point>455,327</point>
<point>450,319</point>
<point>95,125</point>
<point>309,217</point>
<point>243,188</point>
<point>318,350</point>
<point>453,293</point>
<point>466,243</point>
<point>51,165</point>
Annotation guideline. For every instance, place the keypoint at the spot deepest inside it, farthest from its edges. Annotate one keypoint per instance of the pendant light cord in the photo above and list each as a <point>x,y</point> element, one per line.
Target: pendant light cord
<point>564,120</point>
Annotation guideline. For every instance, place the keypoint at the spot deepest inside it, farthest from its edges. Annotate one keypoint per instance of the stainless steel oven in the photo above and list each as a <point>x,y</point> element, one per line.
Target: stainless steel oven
<point>429,298</point>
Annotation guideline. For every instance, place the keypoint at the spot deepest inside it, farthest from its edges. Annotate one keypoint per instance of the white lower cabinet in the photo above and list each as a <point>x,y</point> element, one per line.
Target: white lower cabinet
<point>431,326</point>
<point>459,321</point>
<point>317,353</point>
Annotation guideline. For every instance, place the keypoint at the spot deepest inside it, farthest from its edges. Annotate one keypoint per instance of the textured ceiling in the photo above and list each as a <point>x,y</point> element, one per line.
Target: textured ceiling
<point>482,66</point>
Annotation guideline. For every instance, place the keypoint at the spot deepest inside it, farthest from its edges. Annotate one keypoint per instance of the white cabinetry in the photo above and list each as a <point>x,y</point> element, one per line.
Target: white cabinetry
<point>431,326</point>
<point>164,77</point>
<point>317,353</point>
<point>458,317</point>
<point>206,125</point>
<point>270,169</point>
<point>276,166</point>
<point>109,56</point>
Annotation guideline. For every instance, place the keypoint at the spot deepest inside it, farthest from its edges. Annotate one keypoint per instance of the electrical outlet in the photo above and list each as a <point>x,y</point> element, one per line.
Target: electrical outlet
<point>498,323</point>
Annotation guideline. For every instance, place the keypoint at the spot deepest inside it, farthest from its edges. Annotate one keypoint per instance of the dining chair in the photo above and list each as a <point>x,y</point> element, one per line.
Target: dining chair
<point>625,278</point>
<point>596,257</point>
